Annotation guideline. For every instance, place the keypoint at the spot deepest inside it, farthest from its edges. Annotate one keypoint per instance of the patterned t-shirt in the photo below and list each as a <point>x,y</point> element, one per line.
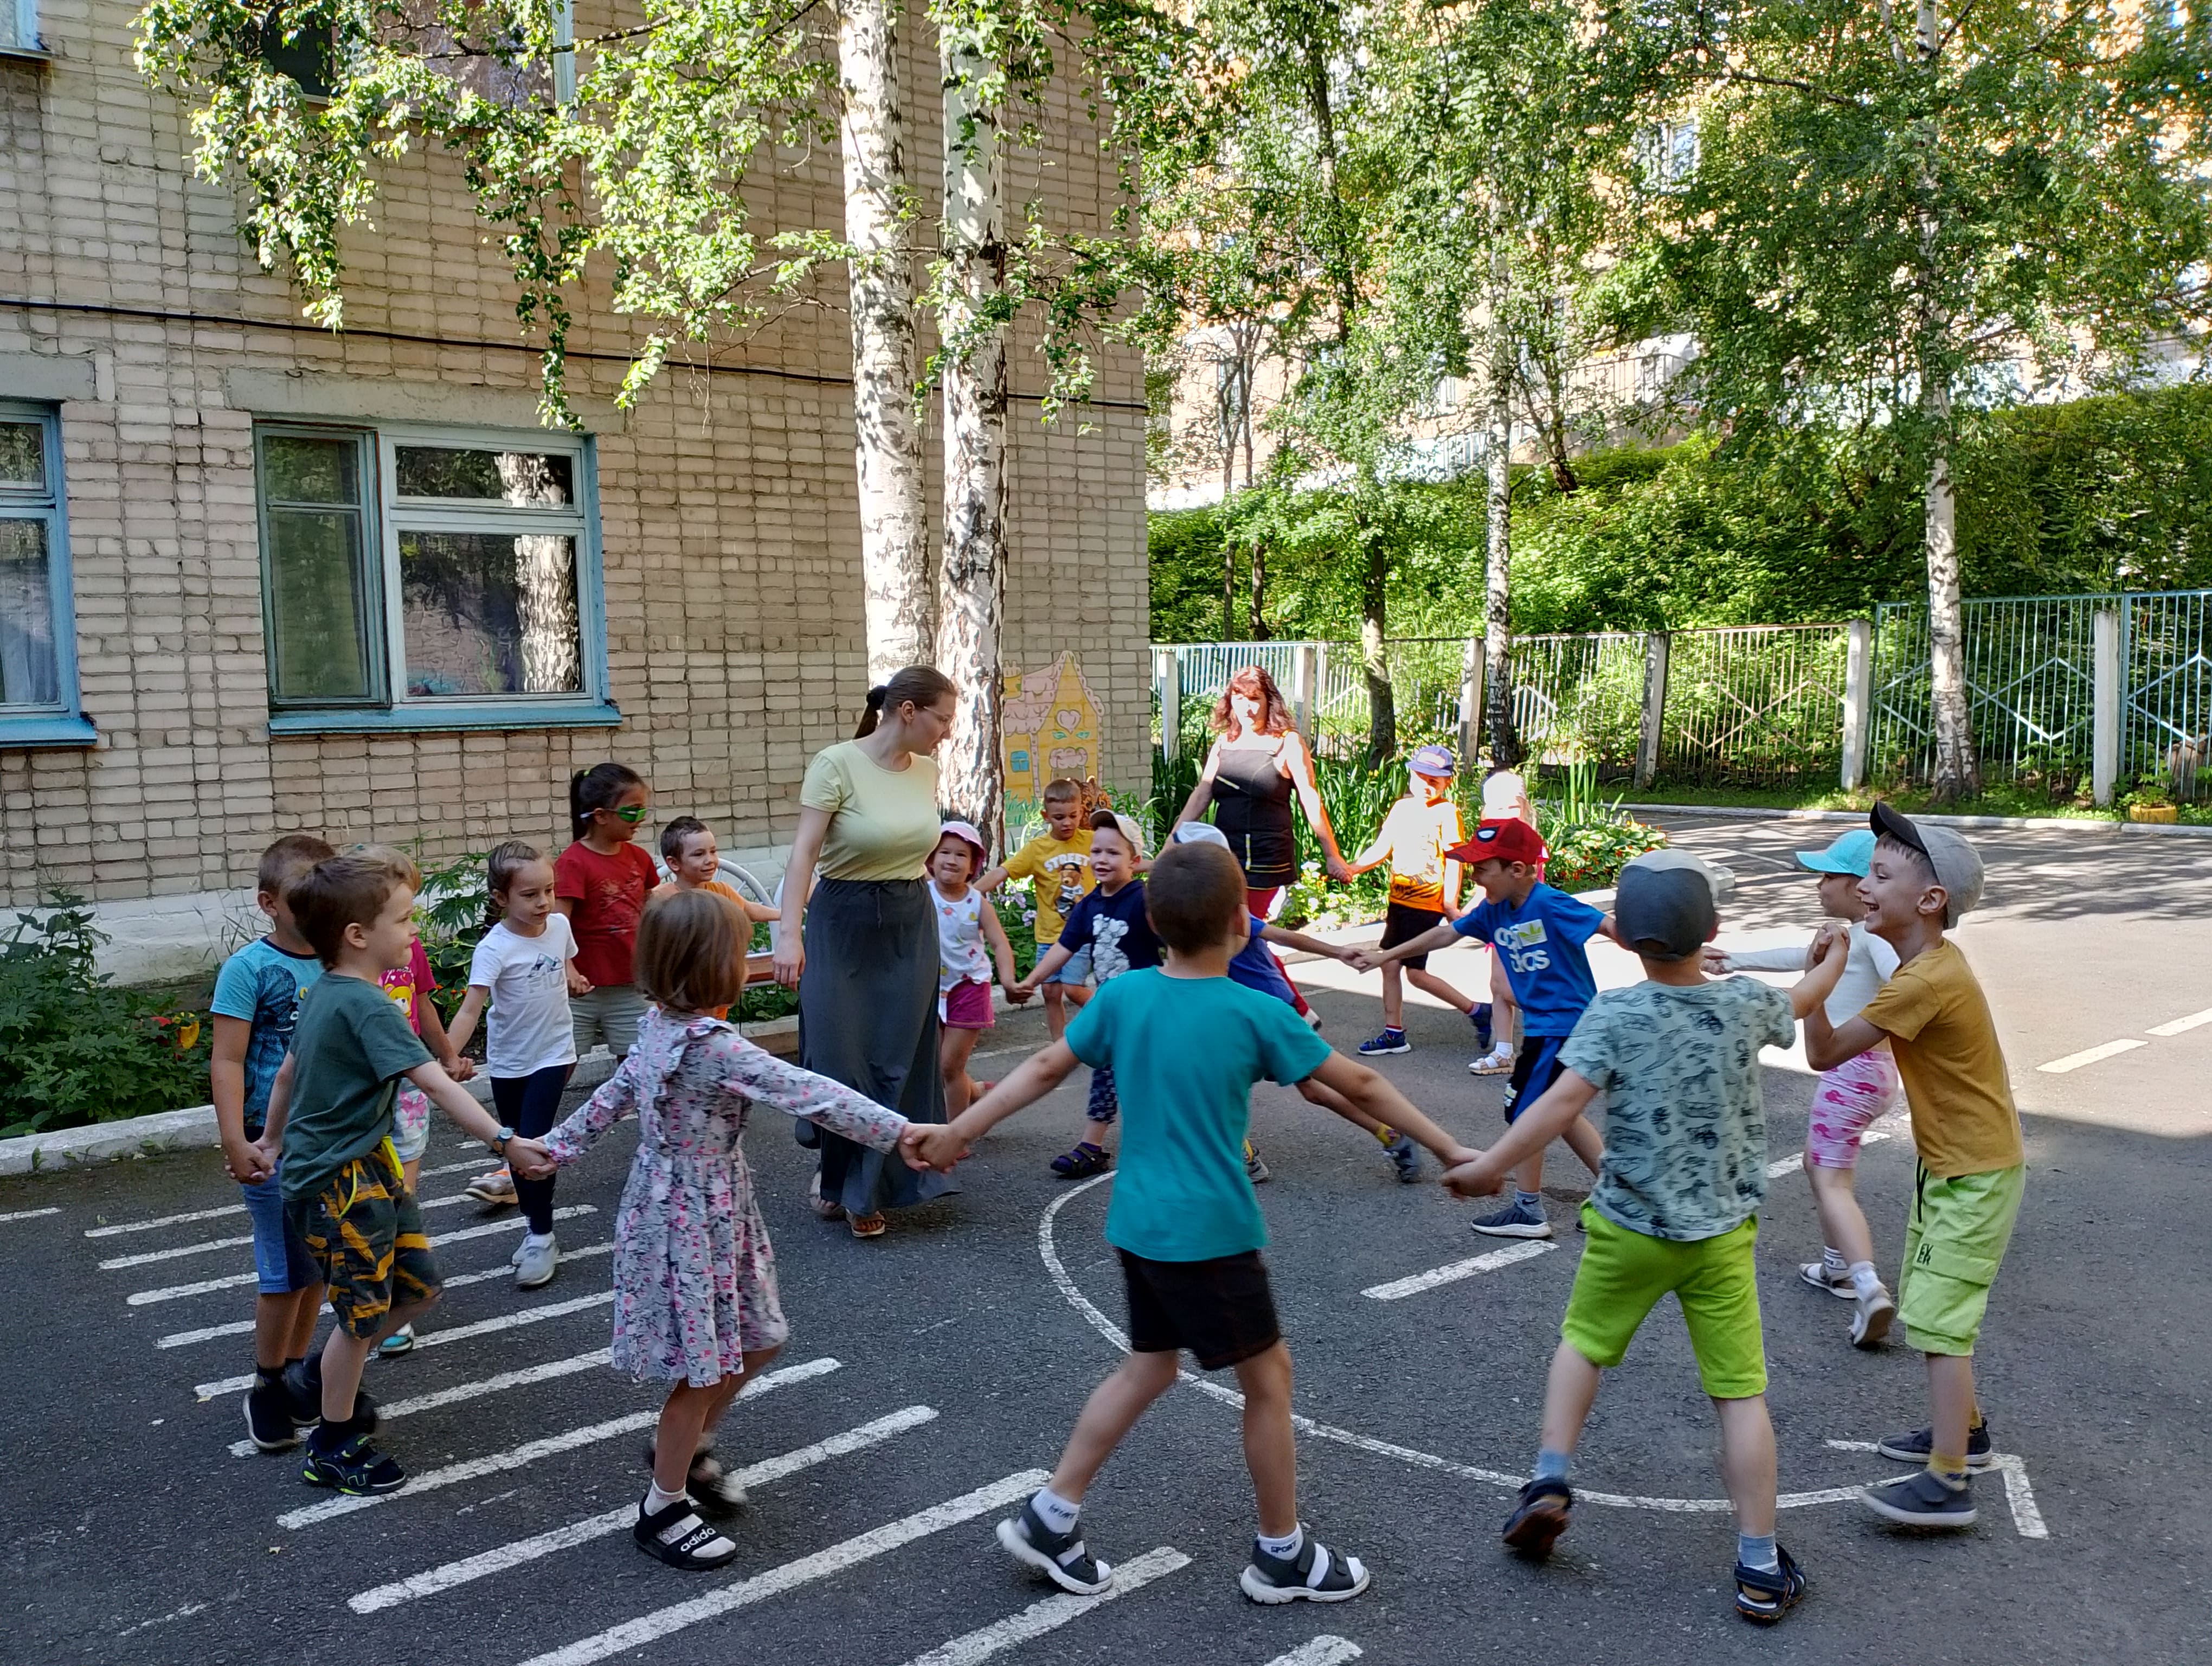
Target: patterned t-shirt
<point>1685,1121</point>
<point>262,984</point>
<point>1115,930</point>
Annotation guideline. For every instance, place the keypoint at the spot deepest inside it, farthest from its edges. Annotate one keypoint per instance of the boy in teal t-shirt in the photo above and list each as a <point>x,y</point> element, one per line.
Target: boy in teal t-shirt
<point>1185,1044</point>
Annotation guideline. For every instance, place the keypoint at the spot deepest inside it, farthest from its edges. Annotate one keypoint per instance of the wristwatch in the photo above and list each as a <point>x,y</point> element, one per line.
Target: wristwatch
<point>498,1141</point>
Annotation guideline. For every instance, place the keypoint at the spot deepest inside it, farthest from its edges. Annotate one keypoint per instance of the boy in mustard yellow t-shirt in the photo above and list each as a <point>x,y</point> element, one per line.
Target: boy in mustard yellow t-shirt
<point>1971,1169</point>
<point>1057,864</point>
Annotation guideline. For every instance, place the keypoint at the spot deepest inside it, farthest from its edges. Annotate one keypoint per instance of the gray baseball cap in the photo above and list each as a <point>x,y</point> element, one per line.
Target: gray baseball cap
<point>1668,903</point>
<point>1958,864</point>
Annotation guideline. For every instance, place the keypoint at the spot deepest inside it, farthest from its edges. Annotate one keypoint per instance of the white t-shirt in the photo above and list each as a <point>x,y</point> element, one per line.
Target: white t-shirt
<point>1504,797</point>
<point>962,956</point>
<point>529,1027</point>
<point>1866,969</point>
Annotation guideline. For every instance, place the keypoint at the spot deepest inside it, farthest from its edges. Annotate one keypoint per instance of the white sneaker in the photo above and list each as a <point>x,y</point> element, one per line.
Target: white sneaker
<point>535,1262</point>
<point>496,1187</point>
<point>1499,1061</point>
<point>1870,1317</point>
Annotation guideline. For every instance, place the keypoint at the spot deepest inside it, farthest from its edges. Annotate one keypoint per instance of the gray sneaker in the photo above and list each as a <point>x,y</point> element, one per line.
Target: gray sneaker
<point>1916,1445</point>
<point>535,1262</point>
<point>1515,1220</point>
<point>1919,1499</point>
<point>1406,1155</point>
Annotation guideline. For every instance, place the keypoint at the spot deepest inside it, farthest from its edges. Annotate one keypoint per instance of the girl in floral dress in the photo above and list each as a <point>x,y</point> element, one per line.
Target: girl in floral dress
<point>694,1278</point>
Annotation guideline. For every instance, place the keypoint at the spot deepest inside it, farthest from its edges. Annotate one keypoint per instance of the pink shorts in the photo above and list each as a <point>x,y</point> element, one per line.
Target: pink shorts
<point>1847,1101</point>
<point>965,1006</point>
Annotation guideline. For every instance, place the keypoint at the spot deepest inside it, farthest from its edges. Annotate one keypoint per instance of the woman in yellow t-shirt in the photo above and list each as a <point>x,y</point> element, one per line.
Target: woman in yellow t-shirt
<point>861,947</point>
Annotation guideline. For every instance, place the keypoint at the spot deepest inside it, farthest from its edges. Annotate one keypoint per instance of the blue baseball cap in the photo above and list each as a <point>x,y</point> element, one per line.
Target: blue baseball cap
<point>1850,854</point>
<point>1435,761</point>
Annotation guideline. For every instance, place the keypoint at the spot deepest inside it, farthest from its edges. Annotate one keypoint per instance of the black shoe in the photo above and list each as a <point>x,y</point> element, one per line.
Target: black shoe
<point>355,1468</point>
<point>268,1416</point>
<point>1061,1557</point>
<point>698,1549</point>
<point>304,1382</point>
<point>1922,1499</point>
<point>1915,1447</point>
<point>1315,1574</point>
<point>1538,1518</point>
<point>1764,1597</point>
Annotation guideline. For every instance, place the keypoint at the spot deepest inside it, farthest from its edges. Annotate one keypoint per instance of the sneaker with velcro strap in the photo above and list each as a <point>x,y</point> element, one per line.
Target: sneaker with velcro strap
<point>1061,1557</point>
<point>1540,1516</point>
<point>1916,1445</point>
<point>1405,1157</point>
<point>675,1535</point>
<point>268,1422</point>
<point>1922,1499</point>
<point>1763,1596</point>
<point>1315,1574</point>
<point>354,1469</point>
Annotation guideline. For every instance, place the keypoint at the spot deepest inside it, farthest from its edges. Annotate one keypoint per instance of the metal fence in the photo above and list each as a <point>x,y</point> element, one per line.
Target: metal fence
<point>2165,723</point>
<point>1579,699</point>
<point>1753,704</point>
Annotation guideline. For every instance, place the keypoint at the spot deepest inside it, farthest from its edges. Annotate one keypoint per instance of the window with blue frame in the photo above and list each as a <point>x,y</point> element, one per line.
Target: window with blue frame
<point>37,628</point>
<point>429,579</point>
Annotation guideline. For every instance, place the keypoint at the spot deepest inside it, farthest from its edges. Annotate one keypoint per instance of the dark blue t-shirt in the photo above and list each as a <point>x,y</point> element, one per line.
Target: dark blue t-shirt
<point>1540,944</point>
<point>1115,931</point>
<point>262,985</point>
<point>1256,968</point>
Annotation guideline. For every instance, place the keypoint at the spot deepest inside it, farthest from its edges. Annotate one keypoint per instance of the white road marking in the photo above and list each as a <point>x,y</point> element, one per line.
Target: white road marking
<point>31,1214</point>
<point>1398,1289</point>
<point>160,1221</point>
<point>499,1559</point>
<point>1055,1612</point>
<point>507,1379</point>
<point>665,1622</point>
<point>115,1261</point>
<point>2019,1497</point>
<point>2090,1056</point>
<point>173,1293</point>
<point>2178,1027</point>
<point>1323,1650</point>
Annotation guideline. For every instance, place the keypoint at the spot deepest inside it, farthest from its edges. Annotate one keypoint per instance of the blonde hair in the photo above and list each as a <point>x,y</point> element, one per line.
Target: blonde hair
<point>691,951</point>
<point>395,861</point>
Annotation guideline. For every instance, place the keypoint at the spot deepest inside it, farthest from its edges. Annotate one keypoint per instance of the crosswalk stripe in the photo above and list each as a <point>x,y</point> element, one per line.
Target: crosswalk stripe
<point>31,1214</point>
<point>114,1263</point>
<point>431,1581</point>
<point>1398,1289</point>
<point>1323,1650</point>
<point>822,1564</point>
<point>1792,1164</point>
<point>2180,1026</point>
<point>232,1281</point>
<point>1052,1613</point>
<point>2090,1056</point>
<point>158,1222</point>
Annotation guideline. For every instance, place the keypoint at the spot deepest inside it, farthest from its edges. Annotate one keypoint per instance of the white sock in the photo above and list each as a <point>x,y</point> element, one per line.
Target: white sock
<point>1054,1511</point>
<point>1864,1280</point>
<point>656,1500</point>
<point>1286,1549</point>
<point>1831,1261</point>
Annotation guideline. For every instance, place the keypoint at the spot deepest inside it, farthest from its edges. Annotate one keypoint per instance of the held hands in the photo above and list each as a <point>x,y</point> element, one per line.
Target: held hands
<point>1714,962</point>
<point>1833,937</point>
<point>459,1066</point>
<point>932,1146</point>
<point>1340,870</point>
<point>577,983</point>
<point>530,1159</point>
<point>1017,993</point>
<point>249,1162</point>
<point>1363,960</point>
<point>1477,1177</point>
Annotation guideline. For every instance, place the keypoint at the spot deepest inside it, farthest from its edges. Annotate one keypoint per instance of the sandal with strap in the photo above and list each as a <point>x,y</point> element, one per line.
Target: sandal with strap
<point>1538,1518</point>
<point>1086,1159</point>
<point>1061,1557</point>
<point>1763,1597</point>
<point>698,1548</point>
<point>1315,1574</point>
<point>868,1225</point>
<point>827,1208</point>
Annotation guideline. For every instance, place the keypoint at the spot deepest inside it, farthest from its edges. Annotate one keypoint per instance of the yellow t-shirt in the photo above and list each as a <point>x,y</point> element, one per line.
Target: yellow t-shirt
<point>1417,835</point>
<point>1946,1045</point>
<point>883,822</point>
<point>1061,869</point>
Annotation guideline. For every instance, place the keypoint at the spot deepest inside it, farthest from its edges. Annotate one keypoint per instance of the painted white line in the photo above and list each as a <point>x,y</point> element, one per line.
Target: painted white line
<point>173,1293</point>
<point>1398,1289</point>
<point>115,1263</point>
<point>1054,1612</point>
<point>664,1622</point>
<point>507,1379</point>
<point>528,1316</point>
<point>31,1214</point>
<point>2021,1497</point>
<point>2179,1026</point>
<point>431,1581</point>
<point>160,1221</point>
<point>179,1339</point>
<point>1323,1650</point>
<point>2091,1054</point>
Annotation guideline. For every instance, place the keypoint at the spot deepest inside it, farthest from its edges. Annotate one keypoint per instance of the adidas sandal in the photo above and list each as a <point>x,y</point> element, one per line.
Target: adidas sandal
<point>1061,1557</point>
<point>696,1548</point>
<point>1315,1574</point>
<point>1764,1597</point>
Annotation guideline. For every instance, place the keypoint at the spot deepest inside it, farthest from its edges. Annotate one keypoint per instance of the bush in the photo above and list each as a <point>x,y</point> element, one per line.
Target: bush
<point>76,1049</point>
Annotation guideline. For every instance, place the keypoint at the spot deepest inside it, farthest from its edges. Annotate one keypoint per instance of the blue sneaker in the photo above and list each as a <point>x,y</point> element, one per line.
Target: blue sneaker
<point>1390,1041</point>
<point>1480,1018</point>
<point>1515,1220</point>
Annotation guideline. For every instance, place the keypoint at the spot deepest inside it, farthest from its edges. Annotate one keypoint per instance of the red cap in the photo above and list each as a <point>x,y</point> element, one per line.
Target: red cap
<point>1509,840</point>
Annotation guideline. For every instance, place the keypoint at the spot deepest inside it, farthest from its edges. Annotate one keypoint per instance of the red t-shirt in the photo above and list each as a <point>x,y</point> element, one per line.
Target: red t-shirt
<point>610,893</point>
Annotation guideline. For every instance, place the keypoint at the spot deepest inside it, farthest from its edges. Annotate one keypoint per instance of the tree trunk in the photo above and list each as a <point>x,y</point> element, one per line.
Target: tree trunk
<point>1257,619</point>
<point>972,783</point>
<point>887,461</point>
<point>1228,588</point>
<point>1375,657</point>
<point>1497,603</point>
<point>1958,764</point>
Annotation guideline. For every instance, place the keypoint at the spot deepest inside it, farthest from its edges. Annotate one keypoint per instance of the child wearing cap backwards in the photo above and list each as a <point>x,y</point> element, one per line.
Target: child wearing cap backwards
<point>1849,1098</point>
<point>1421,827</point>
<point>1537,933</point>
<point>1971,1169</point>
<point>1675,1207</point>
<point>970,942</point>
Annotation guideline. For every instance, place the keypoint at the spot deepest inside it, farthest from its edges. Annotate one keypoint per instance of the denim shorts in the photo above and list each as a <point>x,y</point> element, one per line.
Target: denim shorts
<point>1076,971</point>
<point>281,1261</point>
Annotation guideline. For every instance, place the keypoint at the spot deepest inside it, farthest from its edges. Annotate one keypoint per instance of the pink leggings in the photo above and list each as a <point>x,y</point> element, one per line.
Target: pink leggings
<point>1849,1099</point>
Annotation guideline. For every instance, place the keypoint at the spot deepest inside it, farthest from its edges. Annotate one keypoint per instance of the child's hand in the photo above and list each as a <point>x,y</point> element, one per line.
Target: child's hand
<point>1714,962</point>
<point>1340,870</point>
<point>1825,942</point>
<point>932,1146</point>
<point>1347,955</point>
<point>530,1159</point>
<point>1478,1179</point>
<point>1363,960</point>
<point>1019,993</point>
<point>577,983</point>
<point>459,1066</point>
<point>247,1161</point>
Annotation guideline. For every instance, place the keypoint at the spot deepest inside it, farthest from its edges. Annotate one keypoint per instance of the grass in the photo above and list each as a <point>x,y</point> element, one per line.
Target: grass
<point>1998,798</point>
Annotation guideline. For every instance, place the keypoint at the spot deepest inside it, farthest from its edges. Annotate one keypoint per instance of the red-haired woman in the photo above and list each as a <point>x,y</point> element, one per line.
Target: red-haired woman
<point>1257,763</point>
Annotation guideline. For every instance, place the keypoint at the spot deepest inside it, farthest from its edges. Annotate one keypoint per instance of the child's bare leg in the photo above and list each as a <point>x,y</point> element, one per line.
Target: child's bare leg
<point>1505,1016</point>
<point>1270,1444</point>
<point>1747,1465</point>
<point>1569,1391</point>
<point>1842,1222</point>
<point>1951,1398</point>
<point>1108,1416</point>
<point>1429,983</point>
<point>1394,997</point>
<point>410,1174</point>
<point>307,1308</point>
<point>756,1361</point>
<point>1055,1010</point>
<point>952,1054</point>
<point>688,1412</point>
<point>344,1354</point>
<point>276,1325</point>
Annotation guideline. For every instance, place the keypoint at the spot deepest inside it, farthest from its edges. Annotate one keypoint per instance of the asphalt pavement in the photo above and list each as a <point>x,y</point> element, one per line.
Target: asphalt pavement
<point>933,1373</point>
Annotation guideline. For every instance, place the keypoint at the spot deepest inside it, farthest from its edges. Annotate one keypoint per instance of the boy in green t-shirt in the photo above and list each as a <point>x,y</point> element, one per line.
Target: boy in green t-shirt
<point>1057,864</point>
<point>330,1113</point>
<point>1186,1043</point>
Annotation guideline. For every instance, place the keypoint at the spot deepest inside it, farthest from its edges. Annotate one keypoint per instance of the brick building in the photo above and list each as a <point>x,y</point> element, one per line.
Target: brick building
<point>255,577</point>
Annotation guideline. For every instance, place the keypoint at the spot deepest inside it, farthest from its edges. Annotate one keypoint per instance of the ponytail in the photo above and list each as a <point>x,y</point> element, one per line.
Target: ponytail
<point>874,715</point>
<point>597,789</point>
<point>916,685</point>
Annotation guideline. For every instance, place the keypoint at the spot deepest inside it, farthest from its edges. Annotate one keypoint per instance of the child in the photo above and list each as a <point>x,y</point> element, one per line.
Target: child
<point>970,940</point>
<point>1111,925</point>
<point>695,1301</point>
<point>1847,1099</point>
<point>522,968</point>
<point>1057,862</point>
<point>601,882</point>
<point>410,988</point>
<point>332,1111</point>
<point>1505,798</point>
<point>1971,1169</point>
<point>1675,1207</point>
<point>1538,933</point>
<point>693,860</point>
<point>1190,1043</point>
<point>256,1002</point>
<point>1424,892</point>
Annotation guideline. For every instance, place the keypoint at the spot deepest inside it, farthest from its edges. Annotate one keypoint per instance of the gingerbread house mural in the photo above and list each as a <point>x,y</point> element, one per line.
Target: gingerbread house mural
<point>1050,726</point>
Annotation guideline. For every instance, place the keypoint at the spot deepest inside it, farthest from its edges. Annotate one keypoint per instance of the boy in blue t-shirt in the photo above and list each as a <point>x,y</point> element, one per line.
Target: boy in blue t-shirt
<point>257,1003</point>
<point>1538,935</point>
<point>1188,1042</point>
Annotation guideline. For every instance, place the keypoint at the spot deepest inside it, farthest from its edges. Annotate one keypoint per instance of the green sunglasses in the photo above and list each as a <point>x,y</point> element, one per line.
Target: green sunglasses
<point>632,813</point>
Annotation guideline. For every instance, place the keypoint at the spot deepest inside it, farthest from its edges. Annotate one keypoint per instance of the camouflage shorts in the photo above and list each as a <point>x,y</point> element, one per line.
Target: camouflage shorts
<point>365,1233</point>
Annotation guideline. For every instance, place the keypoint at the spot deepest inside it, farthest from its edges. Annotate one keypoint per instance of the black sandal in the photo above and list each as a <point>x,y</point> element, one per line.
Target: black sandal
<point>1764,1597</point>
<point>1538,1518</point>
<point>686,1551</point>
<point>1085,1160</point>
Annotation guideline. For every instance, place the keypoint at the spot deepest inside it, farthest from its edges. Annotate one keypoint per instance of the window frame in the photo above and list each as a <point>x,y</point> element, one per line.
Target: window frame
<point>60,722</point>
<point>389,707</point>
<point>29,41</point>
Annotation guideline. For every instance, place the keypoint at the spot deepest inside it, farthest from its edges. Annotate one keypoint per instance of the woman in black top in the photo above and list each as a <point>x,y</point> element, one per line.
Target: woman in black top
<point>1256,765</point>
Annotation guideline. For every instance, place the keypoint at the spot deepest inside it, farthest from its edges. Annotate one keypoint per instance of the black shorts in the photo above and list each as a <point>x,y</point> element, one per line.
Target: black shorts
<point>1533,1073</point>
<point>1403,922</point>
<point>1221,1310</point>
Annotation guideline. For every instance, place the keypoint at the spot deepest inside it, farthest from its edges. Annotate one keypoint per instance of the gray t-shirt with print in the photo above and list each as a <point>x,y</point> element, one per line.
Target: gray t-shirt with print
<point>1685,1121</point>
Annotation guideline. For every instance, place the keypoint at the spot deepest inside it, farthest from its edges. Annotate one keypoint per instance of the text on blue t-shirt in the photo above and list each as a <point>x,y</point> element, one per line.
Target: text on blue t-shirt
<point>1541,943</point>
<point>262,985</point>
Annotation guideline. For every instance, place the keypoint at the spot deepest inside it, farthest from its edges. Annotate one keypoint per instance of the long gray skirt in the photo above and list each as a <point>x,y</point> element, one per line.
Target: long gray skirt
<point>868,1017</point>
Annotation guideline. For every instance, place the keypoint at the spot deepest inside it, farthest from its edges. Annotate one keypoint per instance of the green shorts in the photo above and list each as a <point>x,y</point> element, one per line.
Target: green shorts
<point>1623,1275</point>
<point>364,1231</point>
<point>1954,1243</point>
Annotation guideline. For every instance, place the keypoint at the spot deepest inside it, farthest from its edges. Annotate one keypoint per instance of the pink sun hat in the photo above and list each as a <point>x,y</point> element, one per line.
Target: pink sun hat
<point>966,832</point>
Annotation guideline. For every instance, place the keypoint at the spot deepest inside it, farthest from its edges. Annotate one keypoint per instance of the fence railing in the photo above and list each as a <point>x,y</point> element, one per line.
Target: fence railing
<point>2066,691</point>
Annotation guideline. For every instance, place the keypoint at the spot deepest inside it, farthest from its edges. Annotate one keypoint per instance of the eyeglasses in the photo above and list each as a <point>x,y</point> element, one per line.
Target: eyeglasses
<point>632,813</point>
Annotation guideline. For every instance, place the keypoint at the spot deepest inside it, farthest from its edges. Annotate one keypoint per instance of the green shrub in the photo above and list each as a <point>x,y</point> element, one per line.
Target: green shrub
<point>76,1049</point>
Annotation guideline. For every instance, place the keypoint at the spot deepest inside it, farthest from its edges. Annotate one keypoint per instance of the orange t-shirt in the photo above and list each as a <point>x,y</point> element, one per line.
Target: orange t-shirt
<point>669,888</point>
